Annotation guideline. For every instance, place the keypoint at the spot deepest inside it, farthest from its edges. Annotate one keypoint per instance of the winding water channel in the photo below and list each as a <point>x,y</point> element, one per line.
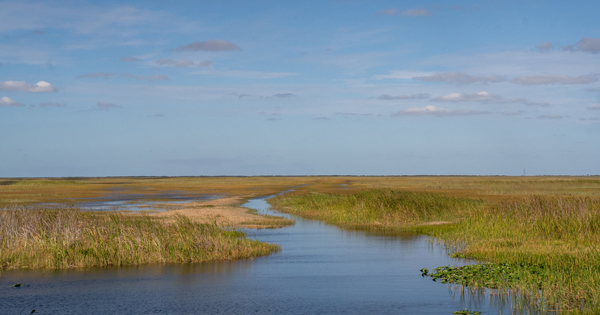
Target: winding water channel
<point>321,269</point>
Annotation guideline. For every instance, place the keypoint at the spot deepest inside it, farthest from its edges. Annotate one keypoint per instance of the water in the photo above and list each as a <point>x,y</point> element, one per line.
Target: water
<point>321,269</point>
<point>118,199</point>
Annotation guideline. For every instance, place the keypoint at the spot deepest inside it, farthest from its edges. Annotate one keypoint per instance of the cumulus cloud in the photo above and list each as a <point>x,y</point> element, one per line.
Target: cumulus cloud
<point>416,12</point>
<point>545,46</point>
<point>594,107</point>
<point>48,104</point>
<point>160,77</point>
<point>106,105</point>
<point>430,110</point>
<point>387,97</point>
<point>103,75</point>
<point>486,97</point>
<point>469,97</point>
<point>554,79</point>
<point>209,45</point>
<point>585,44</point>
<point>283,95</point>
<point>22,86</point>
<point>130,59</point>
<point>7,102</point>
<point>391,11</point>
<point>459,78</point>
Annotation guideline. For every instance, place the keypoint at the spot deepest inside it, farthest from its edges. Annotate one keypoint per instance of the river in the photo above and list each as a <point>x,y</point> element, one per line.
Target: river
<point>321,269</point>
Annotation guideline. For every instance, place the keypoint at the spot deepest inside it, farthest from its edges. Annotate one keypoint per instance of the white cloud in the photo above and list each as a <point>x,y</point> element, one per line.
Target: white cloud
<point>7,102</point>
<point>22,86</point>
<point>430,110</point>
<point>486,97</point>
<point>585,44</point>
<point>459,78</point>
<point>387,97</point>
<point>416,12</point>
<point>554,79</point>
<point>390,11</point>
<point>182,63</point>
<point>545,46</point>
<point>594,107</point>
<point>210,45</point>
<point>205,63</point>
<point>469,97</point>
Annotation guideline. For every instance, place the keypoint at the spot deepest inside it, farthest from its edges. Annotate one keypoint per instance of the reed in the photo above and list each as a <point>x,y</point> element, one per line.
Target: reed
<point>68,237</point>
<point>545,247</point>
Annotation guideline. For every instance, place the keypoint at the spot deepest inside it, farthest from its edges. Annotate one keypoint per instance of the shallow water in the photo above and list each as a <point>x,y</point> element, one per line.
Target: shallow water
<point>119,199</point>
<point>321,269</point>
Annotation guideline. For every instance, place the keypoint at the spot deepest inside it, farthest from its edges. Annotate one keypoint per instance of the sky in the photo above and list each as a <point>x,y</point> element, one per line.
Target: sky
<point>328,87</point>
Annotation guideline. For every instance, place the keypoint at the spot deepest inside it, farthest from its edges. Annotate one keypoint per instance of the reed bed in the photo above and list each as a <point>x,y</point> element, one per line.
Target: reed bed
<point>68,237</point>
<point>547,247</point>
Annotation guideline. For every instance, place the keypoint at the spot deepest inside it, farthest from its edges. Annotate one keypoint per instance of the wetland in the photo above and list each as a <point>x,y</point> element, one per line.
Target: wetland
<point>501,245</point>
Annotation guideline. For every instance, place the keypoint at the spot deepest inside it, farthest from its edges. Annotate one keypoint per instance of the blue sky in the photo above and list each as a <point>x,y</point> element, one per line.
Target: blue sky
<point>111,88</point>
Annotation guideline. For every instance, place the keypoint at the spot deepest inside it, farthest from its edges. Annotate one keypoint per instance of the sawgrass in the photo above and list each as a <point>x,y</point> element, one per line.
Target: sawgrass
<point>68,237</point>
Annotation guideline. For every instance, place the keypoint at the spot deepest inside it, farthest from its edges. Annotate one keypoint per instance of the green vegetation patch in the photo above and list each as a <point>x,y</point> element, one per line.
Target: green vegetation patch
<point>64,238</point>
<point>489,275</point>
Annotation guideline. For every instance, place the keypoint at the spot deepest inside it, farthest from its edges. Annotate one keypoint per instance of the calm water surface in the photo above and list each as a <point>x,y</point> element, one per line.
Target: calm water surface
<point>321,269</point>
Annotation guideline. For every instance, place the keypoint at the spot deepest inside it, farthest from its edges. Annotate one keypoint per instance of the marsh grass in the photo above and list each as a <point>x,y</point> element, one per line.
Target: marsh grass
<point>380,209</point>
<point>68,237</point>
<point>543,247</point>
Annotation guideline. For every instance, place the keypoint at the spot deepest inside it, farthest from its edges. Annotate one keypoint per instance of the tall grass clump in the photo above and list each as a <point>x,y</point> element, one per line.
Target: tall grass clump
<point>377,209</point>
<point>68,237</point>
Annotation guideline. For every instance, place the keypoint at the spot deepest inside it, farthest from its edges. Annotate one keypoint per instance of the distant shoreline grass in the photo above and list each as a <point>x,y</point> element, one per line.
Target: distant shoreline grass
<point>556,236</point>
<point>68,237</point>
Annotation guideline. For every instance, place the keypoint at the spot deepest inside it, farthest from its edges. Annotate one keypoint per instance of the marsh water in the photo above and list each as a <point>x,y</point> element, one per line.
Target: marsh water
<point>320,269</point>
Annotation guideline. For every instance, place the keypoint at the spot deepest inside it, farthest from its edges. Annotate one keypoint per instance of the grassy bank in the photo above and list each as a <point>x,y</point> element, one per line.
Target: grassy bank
<point>544,246</point>
<point>64,238</point>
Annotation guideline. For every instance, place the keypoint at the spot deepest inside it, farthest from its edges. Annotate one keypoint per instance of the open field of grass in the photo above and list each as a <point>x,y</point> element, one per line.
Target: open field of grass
<point>64,238</point>
<point>541,235</point>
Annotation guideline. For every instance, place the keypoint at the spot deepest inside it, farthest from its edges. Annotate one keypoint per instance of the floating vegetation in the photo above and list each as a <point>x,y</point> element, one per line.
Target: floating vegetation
<point>467,312</point>
<point>490,275</point>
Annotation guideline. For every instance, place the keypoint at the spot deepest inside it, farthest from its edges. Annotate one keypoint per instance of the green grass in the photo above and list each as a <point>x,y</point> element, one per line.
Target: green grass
<point>64,238</point>
<point>544,247</point>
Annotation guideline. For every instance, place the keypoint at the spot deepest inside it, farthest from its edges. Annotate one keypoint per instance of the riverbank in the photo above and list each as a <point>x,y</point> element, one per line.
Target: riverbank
<point>224,211</point>
<point>546,244</point>
<point>61,238</point>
